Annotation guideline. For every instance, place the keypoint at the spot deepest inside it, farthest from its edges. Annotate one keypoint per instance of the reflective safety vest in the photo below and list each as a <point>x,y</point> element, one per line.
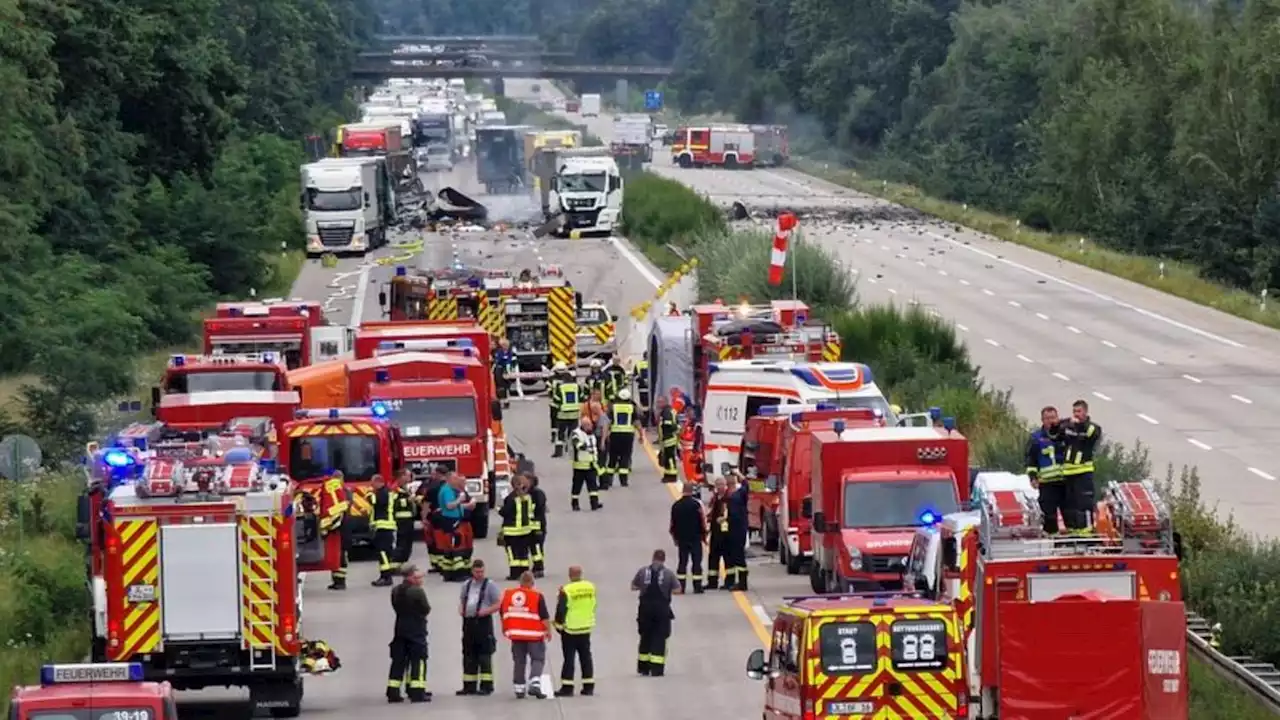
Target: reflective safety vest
<point>584,450</point>
<point>383,515</point>
<point>403,507</point>
<point>523,522</point>
<point>333,504</point>
<point>1044,452</point>
<point>668,428</point>
<point>622,417</point>
<point>580,607</point>
<point>568,401</point>
<point>520,617</point>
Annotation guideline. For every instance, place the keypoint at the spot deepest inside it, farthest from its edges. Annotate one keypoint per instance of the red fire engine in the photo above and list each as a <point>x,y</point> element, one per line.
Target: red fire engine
<point>295,330</point>
<point>772,148</point>
<point>872,487</point>
<point>777,460</point>
<point>729,146</point>
<point>203,392</point>
<point>194,561</point>
<point>1060,627</point>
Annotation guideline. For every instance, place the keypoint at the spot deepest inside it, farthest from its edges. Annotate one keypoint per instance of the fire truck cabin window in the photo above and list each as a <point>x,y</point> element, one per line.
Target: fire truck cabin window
<point>222,380</point>
<point>355,456</point>
<point>847,648</point>
<point>897,503</point>
<point>441,417</point>
<point>869,402</point>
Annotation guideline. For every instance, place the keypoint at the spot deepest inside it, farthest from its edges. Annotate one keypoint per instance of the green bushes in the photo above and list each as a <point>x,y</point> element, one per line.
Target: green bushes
<point>659,212</point>
<point>920,362</point>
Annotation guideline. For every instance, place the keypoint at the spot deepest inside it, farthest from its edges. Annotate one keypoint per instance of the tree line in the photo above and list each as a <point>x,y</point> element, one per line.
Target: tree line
<point>149,163</point>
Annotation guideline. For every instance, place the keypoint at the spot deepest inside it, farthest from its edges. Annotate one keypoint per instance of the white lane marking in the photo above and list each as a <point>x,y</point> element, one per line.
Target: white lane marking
<point>1042,316</point>
<point>1149,419</point>
<point>963,328</point>
<point>1025,359</point>
<point>991,342</point>
<point>1192,378</point>
<point>987,292</point>
<point>943,273</point>
<point>1101,396</point>
<point>1095,293</point>
<point>1149,361</point>
<point>871,280</point>
<point>357,305</point>
<point>884,247</point>
<point>1062,377</point>
<point>762,615</point>
<point>920,263</point>
<point>1108,343</point>
<point>1261,474</point>
<point>1241,398</point>
<point>964,282</point>
<point>892,291</point>
<point>1074,329</point>
<point>1014,303</point>
<point>636,262</point>
<point>1199,444</point>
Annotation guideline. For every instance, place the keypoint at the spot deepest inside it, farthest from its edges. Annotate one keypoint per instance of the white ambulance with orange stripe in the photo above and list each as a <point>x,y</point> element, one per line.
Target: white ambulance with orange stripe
<point>738,389</point>
<point>196,571</point>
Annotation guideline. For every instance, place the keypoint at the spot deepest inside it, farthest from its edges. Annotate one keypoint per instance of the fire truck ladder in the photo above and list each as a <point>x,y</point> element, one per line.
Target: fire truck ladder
<point>262,611</point>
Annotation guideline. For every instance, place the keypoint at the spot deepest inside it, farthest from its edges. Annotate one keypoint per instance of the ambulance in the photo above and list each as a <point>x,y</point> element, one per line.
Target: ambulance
<point>738,389</point>
<point>878,655</point>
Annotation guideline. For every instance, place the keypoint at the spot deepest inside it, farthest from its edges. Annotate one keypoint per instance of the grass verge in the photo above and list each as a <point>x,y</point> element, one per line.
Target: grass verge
<point>920,362</point>
<point>1178,279</point>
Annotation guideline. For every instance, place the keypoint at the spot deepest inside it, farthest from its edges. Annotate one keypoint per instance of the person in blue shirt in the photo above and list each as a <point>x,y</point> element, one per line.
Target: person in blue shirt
<point>454,540</point>
<point>504,362</point>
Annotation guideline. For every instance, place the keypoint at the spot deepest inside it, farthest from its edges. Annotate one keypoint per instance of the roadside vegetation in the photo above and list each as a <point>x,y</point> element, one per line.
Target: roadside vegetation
<point>920,363</point>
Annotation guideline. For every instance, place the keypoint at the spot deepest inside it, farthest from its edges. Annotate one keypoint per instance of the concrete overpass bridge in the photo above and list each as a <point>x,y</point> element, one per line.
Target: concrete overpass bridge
<point>503,55</point>
<point>462,41</point>
<point>372,72</point>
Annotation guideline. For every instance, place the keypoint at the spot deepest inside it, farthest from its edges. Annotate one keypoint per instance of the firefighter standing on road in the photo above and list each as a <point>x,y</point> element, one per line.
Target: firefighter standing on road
<point>584,466</point>
<point>429,494</point>
<point>518,513</point>
<point>334,505</point>
<point>527,624</point>
<point>383,523</point>
<point>1080,437</point>
<point>668,441</point>
<point>655,583</point>
<point>622,438</point>
<point>409,644</point>
<point>688,529</point>
<point>718,542</point>
<point>640,374</point>
<point>477,604</point>
<point>1045,454</point>
<point>504,365</point>
<point>736,541</point>
<point>406,512</point>
<point>454,539</point>
<point>566,403</point>
<point>615,379</point>
<point>537,555</point>
<point>575,619</point>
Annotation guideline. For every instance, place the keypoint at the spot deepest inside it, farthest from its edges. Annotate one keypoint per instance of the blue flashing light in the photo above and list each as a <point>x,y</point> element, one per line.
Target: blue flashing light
<point>268,357</point>
<point>462,343</point>
<point>827,406</point>
<point>929,517</point>
<point>769,410</point>
<point>949,423</point>
<point>1042,568</point>
<point>268,466</point>
<point>1120,566</point>
<point>288,510</point>
<point>386,345</point>
<point>401,271</point>
<point>333,413</point>
<point>234,312</point>
<point>867,377</point>
<point>81,673</point>
<point>838,426</point>
<point>801,317</point>
<point>935,413</point>
<point>178,361</point>
<point>712,367</point>
<point>467,352</point>
<point>475,282</point>
<point>238,456</point>
<point>880,602</point>
<point>378,409</point>
<point>459,373</point>
<point>117,458</point>
<point>381,375</point>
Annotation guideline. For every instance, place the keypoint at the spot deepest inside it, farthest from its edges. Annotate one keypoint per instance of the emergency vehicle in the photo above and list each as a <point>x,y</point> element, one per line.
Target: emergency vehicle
<point>777,460</point>
<point>199,583</point>
<point>295,330</point>
<point>202,392</point>
<point>1060,627</point>
<point>93,691</point>
<point>879,655</point>
<point>772,148</point>
<point>779,330</point>
<point>729,146</point>
<point>597,333</point>
<point>872,487</point>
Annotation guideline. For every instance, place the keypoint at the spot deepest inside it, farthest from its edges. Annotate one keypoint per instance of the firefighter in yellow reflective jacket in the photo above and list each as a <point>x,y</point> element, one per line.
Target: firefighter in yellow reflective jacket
<point>537,554</point>
<point>622,439</point>
<point>640,376</point>
<point>1080,438</point>
<point>567,400</point>
<point>333,513</point>
<point>615,379</point>
<point>405,510</point>
<point>383,523</point>
<point>585,457</point>
<point>668,441</point>
<point>518,514</point>
<point>575,619</point>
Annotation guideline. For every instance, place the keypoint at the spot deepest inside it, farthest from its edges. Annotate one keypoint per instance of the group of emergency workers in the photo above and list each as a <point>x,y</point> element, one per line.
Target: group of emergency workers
<point>723,528</point>
<point>1060,464</point>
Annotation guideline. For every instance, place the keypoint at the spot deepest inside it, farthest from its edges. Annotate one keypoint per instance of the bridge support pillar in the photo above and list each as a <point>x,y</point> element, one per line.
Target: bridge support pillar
<point>622,94</point>
<point>499,87</point>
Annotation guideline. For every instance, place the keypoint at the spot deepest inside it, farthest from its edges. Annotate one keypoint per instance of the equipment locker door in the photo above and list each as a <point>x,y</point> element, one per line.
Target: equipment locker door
<point>200,581</point>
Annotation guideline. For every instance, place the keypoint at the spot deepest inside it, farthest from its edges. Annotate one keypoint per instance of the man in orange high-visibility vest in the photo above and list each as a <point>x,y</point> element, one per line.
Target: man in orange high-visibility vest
<point>526,622</point>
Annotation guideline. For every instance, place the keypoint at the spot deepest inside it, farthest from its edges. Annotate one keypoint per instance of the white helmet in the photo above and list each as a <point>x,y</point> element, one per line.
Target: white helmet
<point>596,364</point>
<point>560,367</point>
<point>624,394</point>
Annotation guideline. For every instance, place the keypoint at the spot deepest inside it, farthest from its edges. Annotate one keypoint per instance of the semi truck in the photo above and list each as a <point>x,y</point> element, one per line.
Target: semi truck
<point>631,143</point>
<point>589,105</point>
<point>348,204</point>
<point>586,192</point>
<point>500,161</point>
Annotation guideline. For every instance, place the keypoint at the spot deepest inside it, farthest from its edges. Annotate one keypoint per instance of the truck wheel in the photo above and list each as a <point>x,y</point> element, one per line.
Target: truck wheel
<point>293,689</point>
<point>686,161</point>
<point>480,522</point>
<point>769,529</point>
<point>816,580</point>
<point>731,163</point>
<point>795,565</point>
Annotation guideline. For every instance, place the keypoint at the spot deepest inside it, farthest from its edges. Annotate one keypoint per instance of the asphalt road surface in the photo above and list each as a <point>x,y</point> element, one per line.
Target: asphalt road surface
<point>710,642</point>
<point>1198,387</point>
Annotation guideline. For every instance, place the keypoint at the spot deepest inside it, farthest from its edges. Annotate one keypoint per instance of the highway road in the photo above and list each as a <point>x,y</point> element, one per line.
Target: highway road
<point>710,642</point>
<point>1198,387</point>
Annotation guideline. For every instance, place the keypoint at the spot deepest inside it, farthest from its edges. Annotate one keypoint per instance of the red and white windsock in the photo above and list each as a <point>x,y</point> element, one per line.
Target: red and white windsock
<point>781,238</point>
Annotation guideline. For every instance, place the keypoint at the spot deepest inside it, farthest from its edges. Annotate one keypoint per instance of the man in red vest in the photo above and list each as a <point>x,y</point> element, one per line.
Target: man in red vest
<point>526,622</point>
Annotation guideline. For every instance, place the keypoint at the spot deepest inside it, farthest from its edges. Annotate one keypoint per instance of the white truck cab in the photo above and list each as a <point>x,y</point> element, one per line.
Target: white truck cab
<point>588,193</point>
<point>344,204</point>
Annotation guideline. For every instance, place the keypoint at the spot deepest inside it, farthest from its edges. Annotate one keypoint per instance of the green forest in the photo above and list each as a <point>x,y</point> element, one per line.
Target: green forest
<point>149,165</point>
<point>1149,125</point>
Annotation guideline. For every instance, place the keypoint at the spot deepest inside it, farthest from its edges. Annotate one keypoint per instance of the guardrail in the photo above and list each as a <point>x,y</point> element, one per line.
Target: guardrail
<point>1261,680</point>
